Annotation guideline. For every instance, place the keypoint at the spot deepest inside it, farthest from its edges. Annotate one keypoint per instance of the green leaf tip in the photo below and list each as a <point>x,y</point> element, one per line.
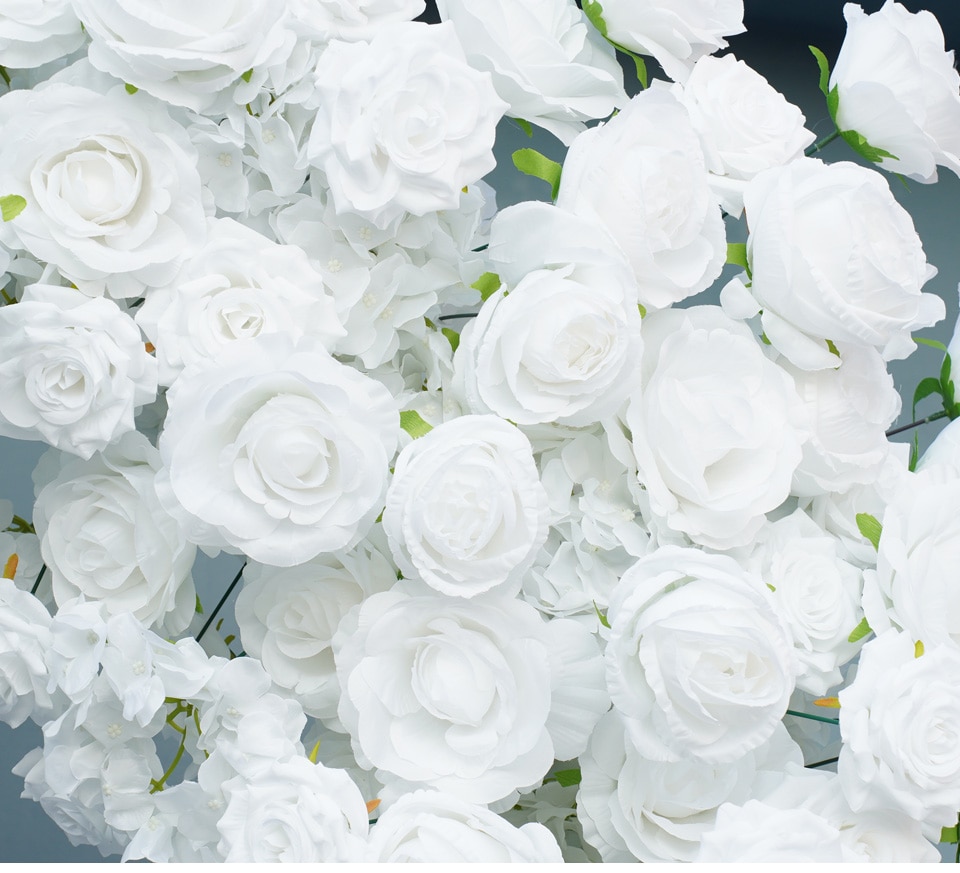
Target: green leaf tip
<point>130,89</point>
<point>824,66</point>
<point>870,528</point>
<point>860,631</point>
<point>11,206</point>
<point>413,424</point>
<point>531,162</point>
<point>525,126</point>
<point>603,619</point>
<point>860,145</point>
<point>247,76</point>
<point>594,12</point>
<point>567,778</point>
<point>488,285</point>
<point>452,337</point>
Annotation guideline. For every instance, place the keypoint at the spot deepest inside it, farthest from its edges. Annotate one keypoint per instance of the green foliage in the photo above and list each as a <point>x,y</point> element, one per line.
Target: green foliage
<point>824,65</point>
<point>488,285</point>
<point>11,206</point>
<point>941,385</point>
<point>737,255</point>
<point>600,615</point>
<point>531,162</point>
<point>525,126</point>
<point>568,777</point>
<point>247,76</point>
<point>413,424</point>
<point>130,89</point>
<point>452,337</point>
<point>860,145</point>
<point>870,528</point>
<point>860,631</point>
<point>594,12</point>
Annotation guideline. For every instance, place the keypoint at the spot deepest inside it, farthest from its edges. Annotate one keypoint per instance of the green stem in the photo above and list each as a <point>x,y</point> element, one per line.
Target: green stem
<point>821,763</point>
<point>223,600</point>
<point>813,717</point>
<point>820,143</point>
<point>6,297</point>
<point>158,784</point>
<point>5,75</point>
<point>935,417</point>
<point>36,585</point>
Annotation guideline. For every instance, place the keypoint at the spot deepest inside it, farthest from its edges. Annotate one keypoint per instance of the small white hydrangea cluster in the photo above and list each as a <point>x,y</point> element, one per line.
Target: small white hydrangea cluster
<point>567,582</point>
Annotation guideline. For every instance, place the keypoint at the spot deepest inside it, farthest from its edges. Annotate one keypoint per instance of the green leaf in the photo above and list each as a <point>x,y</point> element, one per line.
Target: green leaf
<point>198,606</point>
<point>833,103</point>
<point>949,835</point>
<point>934,344</point>
<point>11,206</point>
<point>531,162</point>
<point>870,528</point>
<point>600,615</point>
<point>247,76</point>
<point>525,126</point>
<point>824,65</point>
<point>914,452</point>
<point>918,649</point>
<point>860,631</point>
<point>130,89</point>
<point>452,337</point>
<point>643,310</point>
<point>771,587</point>
<point>833,349</point>
<point>638,62</point>
<point>413,424</point>
<point>488,285</point>
<point>594,11</point>
<point>737,255</point>
<point>765,339</point>
<point>927,386</point>
<point>860,145</point>
<point>568,777</point>
<point>945,374</point>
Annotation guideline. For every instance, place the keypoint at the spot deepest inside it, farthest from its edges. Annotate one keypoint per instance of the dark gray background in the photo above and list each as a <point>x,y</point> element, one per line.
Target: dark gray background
<point>775,45</point>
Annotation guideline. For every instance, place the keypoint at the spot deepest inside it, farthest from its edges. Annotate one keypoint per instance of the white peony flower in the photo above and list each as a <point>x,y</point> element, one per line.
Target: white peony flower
<point>74,370</point>
<point>34,32</point>
<point>698,662</point>
<point>433,827</point>
<point>110,181</point>
<point>403,122</point>
<point>240,284</point>
<point>184,54</point>
<point>643,176</point>
<point>104,535</point>
<point>465,511</point>
<point>551,66</point>
<point>898,88</point>
<point>901,741</point>
<point>24,640</point>
<point>834,258</point>
<point>276,450</point>
<point>716,427</point>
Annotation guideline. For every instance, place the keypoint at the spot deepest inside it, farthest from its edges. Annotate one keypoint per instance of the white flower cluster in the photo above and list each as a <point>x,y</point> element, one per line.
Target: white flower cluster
<point>568,582</point>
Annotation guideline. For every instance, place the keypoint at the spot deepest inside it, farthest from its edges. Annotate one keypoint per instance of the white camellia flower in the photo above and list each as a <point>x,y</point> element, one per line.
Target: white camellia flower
<point>547,62</point>
<point>563,345</point>
<point>104,535</point>
<point>433,827</point>
<point>899,722</point>
<point>74,370</point>
<point>403,124</point>
<point>24,640</point>
<point>110,182</point>
<point>834,258</point>
<point>276,450</point>
<point>471,697</point>
<point>33,32</point>
<point>716,426</point>
<point>185,54</point>
<point>676,32</point>
<point>898,88</point>
<point>294,812</point>
<point>745,124</point>
<point>699,663</point>
<point>350,19</point>
<point>643,176</point>
<point>240,284</point>
<point>466,512</point>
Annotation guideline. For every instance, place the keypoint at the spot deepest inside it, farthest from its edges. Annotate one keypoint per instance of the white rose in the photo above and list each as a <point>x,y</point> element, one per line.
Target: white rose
<point>744,123</point>
<point>466,512</point>
<point>899,722</point>
<point>643,176</point>
<point>294,812</point>
<point>473,697</point>
<point>240,284</point>
<point>74,370</point>
<point>187,55</point>
<point>33,32</point>
<point>944,451</point>
<point>24,640</point>
<point>103,535</point>
<point>699,664</point>
<point>716,426</point>
<point>350,19</point>
<point>112,190</point>
<point>433,827</point>
<point>676,32</point>
<point>547,62</point>
<point>276,450</point>
<point>404,123</point>
<point>898,88</point>
<point>563,345</point>
<point>834,257</point>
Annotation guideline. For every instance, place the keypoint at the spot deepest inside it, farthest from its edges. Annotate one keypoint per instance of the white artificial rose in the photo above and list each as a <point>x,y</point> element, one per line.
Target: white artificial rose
<point>716,427</point>
<point>944,451</point>
<point>699,663</point>
<point>350,19</point>
<point>433,827</point>
<point>185,54</point>
<point>643,176</point>
<point>403,124</point>
<point>834,258</point>
<point>33,32</point>
<point>240,284</point>
<point>24,641</point>
<point>472,697</point>
<point>676,32</point>
<point>287,618</point>
<point>563,344</point>
<point>551,66</point>
<point>294,812</point>
<point>110,182</point>
<point>104,535</point>
<point>465,511</point>
<point>276,450</point>
<point>899,722</point>
<point>74,370</point>
<point>898,88</point>
<point>745,124</point>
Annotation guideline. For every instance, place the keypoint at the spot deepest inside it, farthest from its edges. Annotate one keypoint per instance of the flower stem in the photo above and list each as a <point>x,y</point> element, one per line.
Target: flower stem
<point>36,585</point>
<point>223,600</point>
<point>457,315</point>
<point>935,417</point>
<point>820,143</point>
<point>821,763</point>
<point>813,717</point>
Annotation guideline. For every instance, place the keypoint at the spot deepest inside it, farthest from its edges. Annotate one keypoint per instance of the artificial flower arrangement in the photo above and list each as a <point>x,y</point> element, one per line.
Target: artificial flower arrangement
<point>541,562</point>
